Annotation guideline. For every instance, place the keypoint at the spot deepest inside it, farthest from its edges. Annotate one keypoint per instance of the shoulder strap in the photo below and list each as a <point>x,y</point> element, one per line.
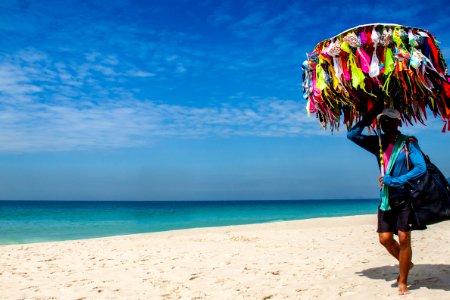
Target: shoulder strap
<point>407,155</point>
<point>413,139</point>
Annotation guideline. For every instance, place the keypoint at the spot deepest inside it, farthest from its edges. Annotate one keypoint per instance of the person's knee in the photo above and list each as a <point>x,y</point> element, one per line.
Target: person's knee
<point>385,240</point>
<point>404,239</point>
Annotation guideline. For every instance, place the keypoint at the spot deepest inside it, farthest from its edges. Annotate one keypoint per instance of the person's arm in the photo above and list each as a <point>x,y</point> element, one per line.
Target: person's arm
<point>418,163</point>
<point>368,142</point>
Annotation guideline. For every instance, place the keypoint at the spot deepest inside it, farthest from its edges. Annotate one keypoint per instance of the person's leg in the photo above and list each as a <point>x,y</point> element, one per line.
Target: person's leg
<point>386,226</point>
<point>404,258</point>
<point>391,245</point>
<point>388,241</point>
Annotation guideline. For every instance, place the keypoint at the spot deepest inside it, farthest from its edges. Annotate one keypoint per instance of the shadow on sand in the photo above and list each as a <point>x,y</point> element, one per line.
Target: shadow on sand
<point>436,277</point>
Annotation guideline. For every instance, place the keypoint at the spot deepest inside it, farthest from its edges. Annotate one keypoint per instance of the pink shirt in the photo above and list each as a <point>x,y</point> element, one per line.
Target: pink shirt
<point>387,155</point>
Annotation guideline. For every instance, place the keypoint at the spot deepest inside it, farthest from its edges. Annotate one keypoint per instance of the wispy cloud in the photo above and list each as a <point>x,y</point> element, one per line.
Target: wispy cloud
<point>140,74</point>
<point>45,127</point>
<point>48,105</point>
<point>14,81</point>
<point>221,14</point>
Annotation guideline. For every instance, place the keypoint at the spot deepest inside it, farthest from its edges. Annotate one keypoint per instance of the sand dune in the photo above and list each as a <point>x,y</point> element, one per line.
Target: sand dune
<point>326,258</point>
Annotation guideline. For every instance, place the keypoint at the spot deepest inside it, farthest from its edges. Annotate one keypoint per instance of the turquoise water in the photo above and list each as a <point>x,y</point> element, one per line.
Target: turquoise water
<point>40,221</point>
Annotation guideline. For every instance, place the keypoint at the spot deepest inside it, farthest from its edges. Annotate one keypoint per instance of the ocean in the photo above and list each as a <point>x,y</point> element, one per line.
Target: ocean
<point>42,221</point>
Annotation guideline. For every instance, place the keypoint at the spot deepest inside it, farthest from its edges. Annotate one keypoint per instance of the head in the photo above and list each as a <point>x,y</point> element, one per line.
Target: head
<point>389,120</point>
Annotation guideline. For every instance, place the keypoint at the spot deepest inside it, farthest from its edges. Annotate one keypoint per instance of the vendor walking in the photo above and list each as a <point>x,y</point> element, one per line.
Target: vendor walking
<point>394,211</point>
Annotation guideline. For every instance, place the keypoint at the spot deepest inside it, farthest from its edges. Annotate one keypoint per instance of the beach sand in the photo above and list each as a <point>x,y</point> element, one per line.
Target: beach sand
<point>325,258</point>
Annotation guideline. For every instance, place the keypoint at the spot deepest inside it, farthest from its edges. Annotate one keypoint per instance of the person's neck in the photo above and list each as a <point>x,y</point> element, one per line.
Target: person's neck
<point>391,137</point>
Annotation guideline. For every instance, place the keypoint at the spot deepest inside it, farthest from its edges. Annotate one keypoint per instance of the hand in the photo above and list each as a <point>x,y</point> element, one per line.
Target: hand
<point>380,181</point>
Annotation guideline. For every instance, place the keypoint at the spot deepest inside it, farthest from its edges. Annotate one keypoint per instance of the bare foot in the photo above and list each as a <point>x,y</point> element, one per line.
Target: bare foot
<point>403,289</point>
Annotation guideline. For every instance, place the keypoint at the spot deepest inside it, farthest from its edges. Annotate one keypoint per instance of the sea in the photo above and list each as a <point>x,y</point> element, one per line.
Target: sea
<point>24,222</point>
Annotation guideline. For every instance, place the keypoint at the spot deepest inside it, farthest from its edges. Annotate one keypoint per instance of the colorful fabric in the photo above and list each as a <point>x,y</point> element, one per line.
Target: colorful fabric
<point>399,144</point>
<point>372,65</point>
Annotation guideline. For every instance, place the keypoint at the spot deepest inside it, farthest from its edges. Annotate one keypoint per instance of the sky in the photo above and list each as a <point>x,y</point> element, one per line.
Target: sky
<point>183,100</point>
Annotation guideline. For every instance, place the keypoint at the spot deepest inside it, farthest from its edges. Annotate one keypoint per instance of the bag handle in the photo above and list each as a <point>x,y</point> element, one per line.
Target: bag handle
<point>407,155</point>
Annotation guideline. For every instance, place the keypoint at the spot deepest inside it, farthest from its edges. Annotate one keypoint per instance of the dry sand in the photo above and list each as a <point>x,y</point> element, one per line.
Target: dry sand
<point>327,258</point>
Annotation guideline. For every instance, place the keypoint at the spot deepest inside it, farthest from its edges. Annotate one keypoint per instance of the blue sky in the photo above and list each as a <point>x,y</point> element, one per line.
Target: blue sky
<point>182,100</point>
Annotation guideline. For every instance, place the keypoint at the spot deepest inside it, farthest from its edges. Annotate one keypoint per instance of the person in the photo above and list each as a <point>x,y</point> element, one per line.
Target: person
<point>394,211</point>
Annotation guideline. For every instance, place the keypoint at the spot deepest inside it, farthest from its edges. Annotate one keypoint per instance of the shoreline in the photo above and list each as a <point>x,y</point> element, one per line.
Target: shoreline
<point>177,230</point>
<point>46,221</point>
<point>333,257</point>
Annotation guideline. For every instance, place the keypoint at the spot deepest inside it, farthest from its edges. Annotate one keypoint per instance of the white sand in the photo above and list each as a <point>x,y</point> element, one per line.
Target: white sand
<point>332,258</point>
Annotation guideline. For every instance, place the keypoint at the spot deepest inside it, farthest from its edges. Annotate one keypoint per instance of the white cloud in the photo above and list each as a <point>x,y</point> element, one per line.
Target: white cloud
<point>45,127</point>
<point>172,58</point>
<point>221,13</point>
<point>44,106</point>
<point>13,81</point>
<point>181,69</point>
<point>142,74</point>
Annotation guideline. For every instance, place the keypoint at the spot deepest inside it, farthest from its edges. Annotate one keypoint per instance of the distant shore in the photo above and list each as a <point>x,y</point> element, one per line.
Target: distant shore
<point>323,258</point>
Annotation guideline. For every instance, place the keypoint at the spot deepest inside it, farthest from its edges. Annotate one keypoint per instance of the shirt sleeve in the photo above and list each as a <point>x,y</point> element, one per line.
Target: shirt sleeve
<point>419,167</point>
<point>368,142</point>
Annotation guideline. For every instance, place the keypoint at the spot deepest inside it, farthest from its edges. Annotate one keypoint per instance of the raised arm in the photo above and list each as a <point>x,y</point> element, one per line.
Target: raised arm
<point>368,142</point>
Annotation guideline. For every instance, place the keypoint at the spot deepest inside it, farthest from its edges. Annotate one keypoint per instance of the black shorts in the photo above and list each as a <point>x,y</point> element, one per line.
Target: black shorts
<point>398,218</point>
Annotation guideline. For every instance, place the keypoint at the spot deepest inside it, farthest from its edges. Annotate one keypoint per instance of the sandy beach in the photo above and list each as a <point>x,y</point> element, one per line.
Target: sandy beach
<point>325,258</point>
